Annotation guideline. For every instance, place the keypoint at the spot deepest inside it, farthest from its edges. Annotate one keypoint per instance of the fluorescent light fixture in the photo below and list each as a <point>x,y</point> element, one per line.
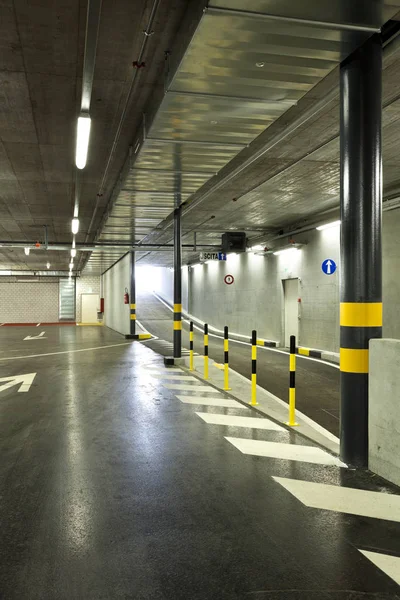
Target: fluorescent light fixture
<point>82,141</point>
<point>73,252</point>
<point>328,225</point>
<point>48,265</point>
<point>256,248</point>
<point>27,250</point>
<point>71,264</point>
<point>285,251</point>
<point>75,225</point>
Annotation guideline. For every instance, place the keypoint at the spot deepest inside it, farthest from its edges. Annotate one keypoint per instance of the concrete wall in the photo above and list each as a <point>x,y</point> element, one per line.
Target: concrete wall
<point>165,285</point>
<point>85,285</point>
<point>115,280</point>
<point>256,299</point>
<point>384,423</point>
<point>29,302</point>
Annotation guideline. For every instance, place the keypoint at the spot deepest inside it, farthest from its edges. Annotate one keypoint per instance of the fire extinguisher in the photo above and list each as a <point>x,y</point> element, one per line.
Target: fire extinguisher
<point>126,296</point>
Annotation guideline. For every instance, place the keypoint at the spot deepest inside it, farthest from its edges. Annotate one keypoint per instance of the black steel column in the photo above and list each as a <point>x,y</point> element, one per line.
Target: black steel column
<point>177,284</point>
<point>132,298</point>
<point>361,243</point>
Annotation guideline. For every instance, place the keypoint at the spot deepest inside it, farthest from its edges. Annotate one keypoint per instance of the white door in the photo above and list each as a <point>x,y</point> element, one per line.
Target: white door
<point>90,306</point>
<point>291,290</point>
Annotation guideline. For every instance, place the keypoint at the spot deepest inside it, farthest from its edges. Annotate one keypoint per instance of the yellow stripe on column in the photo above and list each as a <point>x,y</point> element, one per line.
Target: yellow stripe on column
<point>133,306</point>
<point>177,325</point>
<point>353,361</point>
<point>292,362</point>
<point>361,314</point>
<point>253,352</point>
<point>177,307</point>
<point>226,345</point>
<point>133,317</point>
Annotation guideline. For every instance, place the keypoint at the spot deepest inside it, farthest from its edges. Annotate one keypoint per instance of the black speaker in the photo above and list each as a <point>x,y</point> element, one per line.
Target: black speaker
<point>234,241</point>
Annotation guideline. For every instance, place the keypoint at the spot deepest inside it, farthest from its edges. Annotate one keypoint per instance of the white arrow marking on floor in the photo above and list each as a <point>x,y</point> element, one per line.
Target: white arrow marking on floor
<point>24,382</point>
<point>376,505</point>
<point>388,564</point>
<point>36,337</point>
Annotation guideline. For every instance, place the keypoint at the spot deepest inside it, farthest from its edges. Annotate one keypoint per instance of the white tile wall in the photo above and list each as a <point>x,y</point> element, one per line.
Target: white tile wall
<point>30,302</point>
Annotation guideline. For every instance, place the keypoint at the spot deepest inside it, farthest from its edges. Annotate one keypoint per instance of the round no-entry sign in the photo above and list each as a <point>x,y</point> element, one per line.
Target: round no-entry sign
<point>229,279</point>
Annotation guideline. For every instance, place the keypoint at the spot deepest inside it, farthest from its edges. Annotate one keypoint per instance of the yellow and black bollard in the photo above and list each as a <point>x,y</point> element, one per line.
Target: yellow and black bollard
<point>254,368</point>
<point>292,383</point>
<point>191,359</point>
<point>205,351</point>
<point>226,359</point>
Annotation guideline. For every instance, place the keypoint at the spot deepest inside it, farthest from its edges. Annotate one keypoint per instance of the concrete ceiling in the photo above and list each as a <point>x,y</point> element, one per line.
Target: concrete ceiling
<point>41,65</point>
<point>194,130</point>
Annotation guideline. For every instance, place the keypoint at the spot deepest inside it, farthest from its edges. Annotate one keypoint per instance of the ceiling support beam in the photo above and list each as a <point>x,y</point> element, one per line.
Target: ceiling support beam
<point>268,17</point>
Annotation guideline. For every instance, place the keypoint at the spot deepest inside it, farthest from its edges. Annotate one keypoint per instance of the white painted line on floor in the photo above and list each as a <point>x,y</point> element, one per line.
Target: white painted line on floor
<point>24,381</point>
<point>165,370</point>
<point>224,402</point>
<point>377,505</point>
<point>176,376</point>
<point>308,454</point>
<point>387,563</point>
<point>35,337</point>
<point>38,324</point>
<point>65,351</point>
<point>234,421</point>
<point>189,387</point>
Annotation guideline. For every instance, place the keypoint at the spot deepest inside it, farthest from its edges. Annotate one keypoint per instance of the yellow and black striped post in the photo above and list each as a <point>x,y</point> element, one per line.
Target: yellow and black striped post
<point>226,359</point>
<point>292,383</point>
<point>205,351</point>
<point>191,358</point>
<point>361,240</point>
<point>254,368</point>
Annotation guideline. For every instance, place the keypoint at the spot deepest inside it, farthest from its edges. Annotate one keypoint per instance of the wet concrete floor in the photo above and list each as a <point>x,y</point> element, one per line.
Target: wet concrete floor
<point>111,487</point>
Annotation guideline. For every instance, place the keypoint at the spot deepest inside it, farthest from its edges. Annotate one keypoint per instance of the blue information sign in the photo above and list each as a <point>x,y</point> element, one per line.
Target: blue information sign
<point>221,256</point>
<point>328,266</point>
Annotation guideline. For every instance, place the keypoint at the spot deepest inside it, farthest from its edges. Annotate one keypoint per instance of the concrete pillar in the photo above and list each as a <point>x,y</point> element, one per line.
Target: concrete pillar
<point>177,283</point>
<point>133,295</point>
<point>361,239</point>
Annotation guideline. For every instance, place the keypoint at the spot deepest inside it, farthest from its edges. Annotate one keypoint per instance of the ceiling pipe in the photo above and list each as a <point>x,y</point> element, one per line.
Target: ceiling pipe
<point>124,110</point>
<point>66,247</point>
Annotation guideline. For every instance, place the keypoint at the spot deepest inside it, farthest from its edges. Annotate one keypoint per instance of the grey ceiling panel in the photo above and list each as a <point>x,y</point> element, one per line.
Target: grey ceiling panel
<point>245,66</point>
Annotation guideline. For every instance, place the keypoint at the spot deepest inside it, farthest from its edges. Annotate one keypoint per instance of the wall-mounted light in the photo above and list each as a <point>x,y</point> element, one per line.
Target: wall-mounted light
<point>73,252</point>
<point>82,141</point>
<point>27,250</point>
<point>328,225</point>
<point>75,225</point>
<point>286,251</point>
<point>48,265</point>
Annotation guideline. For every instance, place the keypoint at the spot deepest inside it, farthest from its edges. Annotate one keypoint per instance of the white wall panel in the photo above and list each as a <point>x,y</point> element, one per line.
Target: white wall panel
<point>116,313</point>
